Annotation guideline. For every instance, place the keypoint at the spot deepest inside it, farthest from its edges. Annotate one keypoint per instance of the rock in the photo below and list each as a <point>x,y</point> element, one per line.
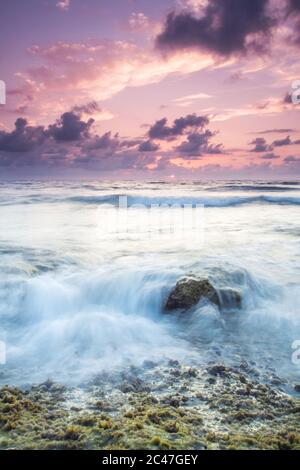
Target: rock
<point>230,298</point>
<point>149,364</point>
<point>211,380</point>
<point>133,385</point>
<point>297,388</point>
<point>189,291</point>
<point>173,363</point>
<point>218,369</point>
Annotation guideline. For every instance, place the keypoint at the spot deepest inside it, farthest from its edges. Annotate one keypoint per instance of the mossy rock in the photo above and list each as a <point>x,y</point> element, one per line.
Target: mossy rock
<point>188,292</point>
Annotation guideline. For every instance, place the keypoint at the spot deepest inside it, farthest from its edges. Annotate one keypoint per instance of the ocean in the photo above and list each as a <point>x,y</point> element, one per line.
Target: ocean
<point>83,282</point>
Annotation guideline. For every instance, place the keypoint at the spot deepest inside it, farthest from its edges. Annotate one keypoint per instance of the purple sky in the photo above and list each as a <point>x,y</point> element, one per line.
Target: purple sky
<point>156,90</point>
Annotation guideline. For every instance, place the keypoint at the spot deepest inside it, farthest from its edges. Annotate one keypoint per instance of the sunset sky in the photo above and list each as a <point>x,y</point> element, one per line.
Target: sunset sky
<point>158,89</point>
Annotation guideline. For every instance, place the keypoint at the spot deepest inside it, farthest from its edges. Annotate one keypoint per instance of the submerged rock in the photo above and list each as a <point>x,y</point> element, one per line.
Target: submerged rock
<point>189,291</point>
<point>230,298</point>
<point>218,369</point>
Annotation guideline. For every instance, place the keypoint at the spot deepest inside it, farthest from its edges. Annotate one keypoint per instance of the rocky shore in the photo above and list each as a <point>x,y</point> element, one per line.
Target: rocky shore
<point>157,406</point>
<point>166,405</point>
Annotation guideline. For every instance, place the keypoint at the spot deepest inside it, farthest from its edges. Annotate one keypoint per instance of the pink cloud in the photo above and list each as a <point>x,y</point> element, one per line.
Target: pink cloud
<point>63,5</point>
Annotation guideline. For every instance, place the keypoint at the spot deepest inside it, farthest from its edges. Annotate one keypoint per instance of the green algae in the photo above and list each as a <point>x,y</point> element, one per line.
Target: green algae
<point>204,415</point>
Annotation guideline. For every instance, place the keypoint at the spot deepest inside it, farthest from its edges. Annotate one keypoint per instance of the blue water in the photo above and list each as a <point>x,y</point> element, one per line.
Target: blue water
<point>82,287</point>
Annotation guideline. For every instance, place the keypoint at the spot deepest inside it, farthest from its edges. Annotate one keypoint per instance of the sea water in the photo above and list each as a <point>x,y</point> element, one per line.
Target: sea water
<point>82,289</point>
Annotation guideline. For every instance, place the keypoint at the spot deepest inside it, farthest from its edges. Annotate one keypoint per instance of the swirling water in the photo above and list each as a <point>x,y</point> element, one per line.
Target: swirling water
<point>80,294</point>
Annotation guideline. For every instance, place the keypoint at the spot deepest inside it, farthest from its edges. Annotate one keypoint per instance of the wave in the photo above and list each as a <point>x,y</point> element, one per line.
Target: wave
<point>72,326</point>
<point>148,202</point>
<point>255,187</point>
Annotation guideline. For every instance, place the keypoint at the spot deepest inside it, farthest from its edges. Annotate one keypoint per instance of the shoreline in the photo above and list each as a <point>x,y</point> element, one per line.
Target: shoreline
<point>171,406</point>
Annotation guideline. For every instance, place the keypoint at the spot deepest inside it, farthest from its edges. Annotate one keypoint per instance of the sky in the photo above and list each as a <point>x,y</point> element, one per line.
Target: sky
<point>159,90</point>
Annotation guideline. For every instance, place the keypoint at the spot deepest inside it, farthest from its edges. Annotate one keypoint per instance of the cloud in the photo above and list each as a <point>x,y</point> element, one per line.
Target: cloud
<point>90,108</point>
<point>70,128</point>
<point>225,27</point>
<point>63,5</point>
<point>260,145</point>
<point>293,7</point>
<point>276,131</point>
<point>138,21</point>
<point>197,144</point>
<point>269,106</point>
<point>287,99</point>
<point>148,146</point>
<point>104,142</point>
<point>282,142</point>
<point>23,138</point>
<point>28,145</point>
<point>197,138</point>
<point>270,156</point>
<point>292,160</point>
<point>190,99</point>
<point>161,131</point>
<point>293,12</point>
<point>72,143</point>
<point>95,70</point>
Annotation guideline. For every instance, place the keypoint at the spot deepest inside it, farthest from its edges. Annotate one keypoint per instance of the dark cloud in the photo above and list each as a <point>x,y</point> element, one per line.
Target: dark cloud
<point>197,144</point>
<point>224,27</point>
<point>287,99</point>
<point>291,160</point>
<point>148,146</point>
<point>235,77</point>
<point>260,145</point>
<point>70,128</point>
<point>23,138</point>
<point>276,131</point>
<point>88,108</point>
<point>197,141</point>
<point>282,142</point>
<point>105,142</point>
<point>161,131</point>
<point>109,142</point>
<point>270,156</point>
<point>293,10</point>
<point>293,6</point>
<point>71,143</point>
<point>108,158</point>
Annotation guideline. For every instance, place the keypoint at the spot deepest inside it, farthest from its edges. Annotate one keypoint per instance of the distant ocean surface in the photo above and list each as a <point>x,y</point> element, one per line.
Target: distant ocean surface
<point>81,293</point>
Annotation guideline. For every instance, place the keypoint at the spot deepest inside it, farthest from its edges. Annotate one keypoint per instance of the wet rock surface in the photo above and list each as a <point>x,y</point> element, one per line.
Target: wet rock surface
<point>230,299</point>
<point>189,291</point>
<point>297,388</point>
<point>158,406</point>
